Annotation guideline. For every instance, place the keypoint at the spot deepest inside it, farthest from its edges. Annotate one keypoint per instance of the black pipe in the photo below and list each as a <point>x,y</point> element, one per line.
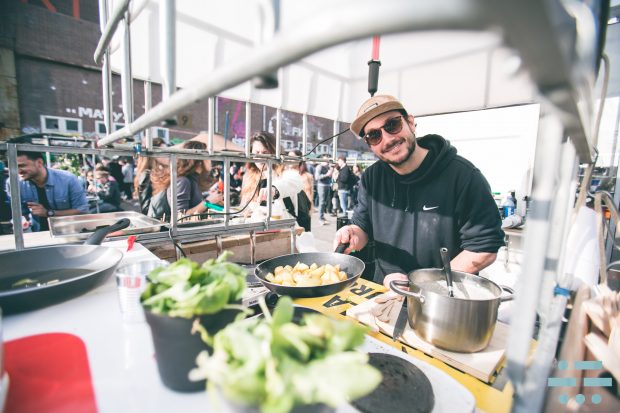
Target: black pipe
<point>373,76</point>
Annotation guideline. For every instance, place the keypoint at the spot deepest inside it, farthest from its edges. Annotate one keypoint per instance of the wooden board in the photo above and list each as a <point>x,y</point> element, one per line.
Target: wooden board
<point>481,365</point>
<point>268,245</point>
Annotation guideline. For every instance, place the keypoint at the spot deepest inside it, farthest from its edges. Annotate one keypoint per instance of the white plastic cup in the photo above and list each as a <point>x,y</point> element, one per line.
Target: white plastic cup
<point>131,282</point>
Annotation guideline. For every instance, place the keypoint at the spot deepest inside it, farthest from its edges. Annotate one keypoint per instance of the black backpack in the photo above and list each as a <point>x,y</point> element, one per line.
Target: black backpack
<point>303,209</point>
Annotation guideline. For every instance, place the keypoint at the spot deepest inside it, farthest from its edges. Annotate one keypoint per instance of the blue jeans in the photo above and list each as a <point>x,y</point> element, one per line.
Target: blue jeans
<point>343,194</point>
<point>323,191</point>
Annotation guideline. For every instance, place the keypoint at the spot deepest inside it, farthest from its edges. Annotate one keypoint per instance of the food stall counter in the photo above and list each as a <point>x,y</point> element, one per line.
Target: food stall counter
<point>117,361</point>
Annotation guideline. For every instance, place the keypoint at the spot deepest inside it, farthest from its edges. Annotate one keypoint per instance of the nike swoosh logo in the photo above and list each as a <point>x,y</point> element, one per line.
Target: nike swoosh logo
<point>425,208</point>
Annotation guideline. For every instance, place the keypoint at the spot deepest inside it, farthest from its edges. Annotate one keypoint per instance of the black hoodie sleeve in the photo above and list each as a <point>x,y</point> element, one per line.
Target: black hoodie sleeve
<point>478,217</point>
<point>361,213</point>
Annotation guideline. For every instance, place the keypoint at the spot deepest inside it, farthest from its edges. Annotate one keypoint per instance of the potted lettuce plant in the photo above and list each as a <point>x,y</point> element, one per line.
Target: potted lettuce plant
<point>274,365</point>
<point>181,296</point>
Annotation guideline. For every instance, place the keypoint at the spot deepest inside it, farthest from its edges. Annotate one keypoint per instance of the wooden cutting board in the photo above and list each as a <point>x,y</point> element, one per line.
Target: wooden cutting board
<point>481,365</point>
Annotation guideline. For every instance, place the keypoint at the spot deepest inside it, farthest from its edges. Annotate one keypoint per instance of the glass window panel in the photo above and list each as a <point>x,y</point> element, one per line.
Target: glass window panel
<point>72,125</point>
<point>52,124</point>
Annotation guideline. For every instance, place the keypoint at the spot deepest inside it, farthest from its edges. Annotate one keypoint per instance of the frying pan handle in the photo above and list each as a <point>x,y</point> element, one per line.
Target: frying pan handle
<point>97,237</point>
<point>341,247</point>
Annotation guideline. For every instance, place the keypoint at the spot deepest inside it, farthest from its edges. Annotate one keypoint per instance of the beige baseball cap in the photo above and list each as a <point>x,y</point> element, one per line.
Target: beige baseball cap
<point>373,107</point>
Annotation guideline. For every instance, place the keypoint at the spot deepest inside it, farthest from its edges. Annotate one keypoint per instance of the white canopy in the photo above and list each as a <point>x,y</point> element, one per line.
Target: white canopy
<point>431,72</point>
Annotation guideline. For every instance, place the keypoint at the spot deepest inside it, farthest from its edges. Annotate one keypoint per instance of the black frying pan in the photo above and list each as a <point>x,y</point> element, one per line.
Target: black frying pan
<point>38,277</point>
<point>354,267</point>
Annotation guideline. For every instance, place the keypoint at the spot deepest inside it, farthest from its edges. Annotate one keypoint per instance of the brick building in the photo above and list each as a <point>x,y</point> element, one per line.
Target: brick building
<point>50,83</point>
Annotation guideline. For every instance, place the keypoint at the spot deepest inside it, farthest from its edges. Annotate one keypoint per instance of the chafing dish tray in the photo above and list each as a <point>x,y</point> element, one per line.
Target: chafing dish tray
<point>81,226</point>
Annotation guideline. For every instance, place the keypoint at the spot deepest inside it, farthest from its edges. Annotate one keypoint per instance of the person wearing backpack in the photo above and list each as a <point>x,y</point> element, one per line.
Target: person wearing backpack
<point>346,179</point>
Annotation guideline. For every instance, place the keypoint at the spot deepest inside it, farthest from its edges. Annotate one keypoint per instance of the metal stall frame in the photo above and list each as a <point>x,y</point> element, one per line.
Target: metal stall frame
<point>181,234</point>
<point>562,76</point>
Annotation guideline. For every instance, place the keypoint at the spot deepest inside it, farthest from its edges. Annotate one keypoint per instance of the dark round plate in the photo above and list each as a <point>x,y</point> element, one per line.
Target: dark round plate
<point>404,388</point>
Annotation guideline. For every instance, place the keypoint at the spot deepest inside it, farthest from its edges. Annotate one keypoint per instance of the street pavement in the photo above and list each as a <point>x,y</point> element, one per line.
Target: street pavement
<point>324,234</point>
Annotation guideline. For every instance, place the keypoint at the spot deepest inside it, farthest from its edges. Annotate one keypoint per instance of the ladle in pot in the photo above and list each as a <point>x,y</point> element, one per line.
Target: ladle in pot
<point>445,257</point>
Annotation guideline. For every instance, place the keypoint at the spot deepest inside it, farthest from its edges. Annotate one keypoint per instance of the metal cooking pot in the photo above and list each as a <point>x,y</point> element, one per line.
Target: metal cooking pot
<point>463,323</point>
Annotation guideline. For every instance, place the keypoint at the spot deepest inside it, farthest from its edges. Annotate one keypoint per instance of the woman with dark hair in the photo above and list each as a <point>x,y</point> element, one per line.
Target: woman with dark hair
<point>285,183</point>
<point>192,175</point>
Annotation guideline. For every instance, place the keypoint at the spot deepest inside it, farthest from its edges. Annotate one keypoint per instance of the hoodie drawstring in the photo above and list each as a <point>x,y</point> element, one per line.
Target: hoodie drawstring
<point>394,191</point>
<point>408,194</point>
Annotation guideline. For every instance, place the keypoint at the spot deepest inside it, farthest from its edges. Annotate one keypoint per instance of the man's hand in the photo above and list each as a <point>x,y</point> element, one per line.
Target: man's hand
<point>354,235</point>
<point>393,276</point>
<point>37,209</point>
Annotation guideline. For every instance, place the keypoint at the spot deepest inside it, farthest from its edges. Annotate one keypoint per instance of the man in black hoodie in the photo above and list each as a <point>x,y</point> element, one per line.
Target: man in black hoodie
<point>420,196</point>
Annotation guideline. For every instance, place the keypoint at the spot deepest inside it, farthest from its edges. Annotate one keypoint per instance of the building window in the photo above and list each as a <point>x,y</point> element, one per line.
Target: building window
<point>101,129</point>
<point>323,149</point>
<point>72,126</point>
<point>300,145</point>
<point>288,144</point>
<point>162,133</point>
<point>61,125</point>
<point>52,124</point>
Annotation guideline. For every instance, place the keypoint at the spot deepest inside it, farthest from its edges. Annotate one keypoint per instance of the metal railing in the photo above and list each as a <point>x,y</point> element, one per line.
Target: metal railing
<point>563,76</point>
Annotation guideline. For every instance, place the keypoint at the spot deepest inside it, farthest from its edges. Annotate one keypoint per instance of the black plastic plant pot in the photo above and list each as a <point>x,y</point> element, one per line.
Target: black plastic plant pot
<point>176,348</point>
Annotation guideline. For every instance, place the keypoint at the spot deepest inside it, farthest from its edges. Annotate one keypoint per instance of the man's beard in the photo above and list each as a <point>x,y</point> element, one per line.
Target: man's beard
<point>411,145</point>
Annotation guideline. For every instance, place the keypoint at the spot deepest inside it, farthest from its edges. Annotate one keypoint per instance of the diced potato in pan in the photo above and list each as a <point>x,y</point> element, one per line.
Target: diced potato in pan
<point>302,275</point>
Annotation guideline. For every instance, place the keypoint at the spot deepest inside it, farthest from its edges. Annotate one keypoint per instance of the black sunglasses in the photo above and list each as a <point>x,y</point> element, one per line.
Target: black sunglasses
<point>391,126</point>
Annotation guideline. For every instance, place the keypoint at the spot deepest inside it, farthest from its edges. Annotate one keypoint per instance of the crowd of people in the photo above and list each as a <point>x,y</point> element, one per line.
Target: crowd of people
<point>118,183</point>
<point>434,197</point>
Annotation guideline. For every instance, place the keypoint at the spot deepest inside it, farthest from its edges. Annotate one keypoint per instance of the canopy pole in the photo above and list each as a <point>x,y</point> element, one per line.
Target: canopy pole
<point>373,66</point>
<point>278,133</point>
<point>126,75</point>
<point>106,72</point>
<point>537,237</point>
<point>248,129</point>
<point>304,135</point>
<point>335,141</point>
<point>16,210</point>
<point>148,103</point>
<point>167,27</point>
<point>211,116</point>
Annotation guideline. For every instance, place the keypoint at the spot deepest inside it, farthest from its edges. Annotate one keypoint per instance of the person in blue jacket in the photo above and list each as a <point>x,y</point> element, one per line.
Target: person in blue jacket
<point>48,192</point>
<point>419,197</point>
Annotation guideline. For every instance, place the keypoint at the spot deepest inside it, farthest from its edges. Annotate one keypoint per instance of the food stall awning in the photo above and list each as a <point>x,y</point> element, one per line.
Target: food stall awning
<point>431,71</point>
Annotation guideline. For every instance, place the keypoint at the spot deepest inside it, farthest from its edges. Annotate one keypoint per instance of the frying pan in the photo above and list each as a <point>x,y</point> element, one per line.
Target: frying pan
<point>354,267</point>
<point>39,277</point>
